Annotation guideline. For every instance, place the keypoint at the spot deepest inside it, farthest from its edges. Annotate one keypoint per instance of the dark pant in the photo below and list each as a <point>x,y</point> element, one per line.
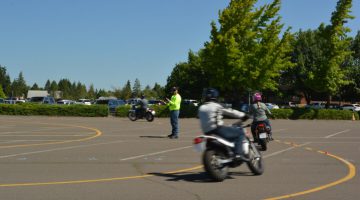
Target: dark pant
<point>174,120</point>
<point>232,134</point>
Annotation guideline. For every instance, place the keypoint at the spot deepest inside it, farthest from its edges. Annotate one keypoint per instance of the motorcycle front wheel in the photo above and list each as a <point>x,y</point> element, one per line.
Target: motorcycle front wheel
<point>149,117</point>
<point>256,163</point>
<point>212,165</point>
<point>132,116</point>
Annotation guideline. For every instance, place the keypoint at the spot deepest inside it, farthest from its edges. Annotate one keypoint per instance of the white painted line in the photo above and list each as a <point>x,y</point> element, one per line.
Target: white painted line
<point>155,153</point>
<point>57,149</point>
<point>329,136</point>
<point>288,149</point>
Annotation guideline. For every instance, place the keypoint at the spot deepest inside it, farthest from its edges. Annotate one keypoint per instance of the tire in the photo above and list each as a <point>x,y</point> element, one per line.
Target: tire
<point>217,172</point>
<point>149,117</point>
<point>263,144</point>
<point>256,165</point>
<point>132,116</point>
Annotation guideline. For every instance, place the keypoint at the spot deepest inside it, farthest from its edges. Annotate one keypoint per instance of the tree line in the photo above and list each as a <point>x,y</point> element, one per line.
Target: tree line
<point>249,51</point>
<point>74,90</point>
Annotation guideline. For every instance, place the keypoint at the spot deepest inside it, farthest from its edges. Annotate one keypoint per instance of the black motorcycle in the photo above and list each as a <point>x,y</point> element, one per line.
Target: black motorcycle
<point>135,114</point>
<point>218,155</point>
<point>262,135</point>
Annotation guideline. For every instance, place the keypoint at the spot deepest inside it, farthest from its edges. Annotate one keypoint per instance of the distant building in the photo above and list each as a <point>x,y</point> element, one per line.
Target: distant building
<point>37,93</point>
<point>43,93</point>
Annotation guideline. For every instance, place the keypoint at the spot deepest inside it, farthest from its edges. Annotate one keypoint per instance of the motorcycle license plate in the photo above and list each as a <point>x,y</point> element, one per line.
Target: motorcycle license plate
<point>262,135</point>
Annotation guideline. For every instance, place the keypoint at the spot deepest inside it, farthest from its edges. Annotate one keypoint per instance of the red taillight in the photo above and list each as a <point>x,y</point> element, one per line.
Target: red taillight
<point>198,140</point>
<point>261,125</point>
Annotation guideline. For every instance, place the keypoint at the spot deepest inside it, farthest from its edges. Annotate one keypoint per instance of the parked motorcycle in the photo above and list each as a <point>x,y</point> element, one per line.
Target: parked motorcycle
<point>218,155</point>
<point>134,115</point>
<point>262,135</point>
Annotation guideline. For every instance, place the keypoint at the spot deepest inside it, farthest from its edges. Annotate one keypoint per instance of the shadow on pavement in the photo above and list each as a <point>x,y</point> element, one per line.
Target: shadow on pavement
<point>196,177</point>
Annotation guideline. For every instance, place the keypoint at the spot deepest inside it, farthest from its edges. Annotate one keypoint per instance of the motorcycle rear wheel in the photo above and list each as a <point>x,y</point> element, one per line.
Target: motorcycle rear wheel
<point>263,144</point>
<point>149,117</point>
<point>132,116</point>
<point>256,165</point>
<point>218,172</point>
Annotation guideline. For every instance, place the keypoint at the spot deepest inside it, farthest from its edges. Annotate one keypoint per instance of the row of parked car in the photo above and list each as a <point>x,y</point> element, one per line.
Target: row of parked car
<point>322,105</point>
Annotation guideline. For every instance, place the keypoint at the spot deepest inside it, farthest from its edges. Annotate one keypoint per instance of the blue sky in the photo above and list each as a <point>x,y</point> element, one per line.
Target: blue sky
<point>107,42</point>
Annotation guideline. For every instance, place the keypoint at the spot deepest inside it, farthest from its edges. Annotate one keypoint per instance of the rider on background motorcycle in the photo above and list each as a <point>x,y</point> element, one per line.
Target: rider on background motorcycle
<point>142,105</point>
<point>259,110</point>
<point>211,118</point>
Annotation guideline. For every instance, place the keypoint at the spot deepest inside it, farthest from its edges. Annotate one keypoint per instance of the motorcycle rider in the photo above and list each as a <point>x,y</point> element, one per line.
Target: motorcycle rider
<point>259,110</point>
<point>142,106</point>
<point>211,118</point>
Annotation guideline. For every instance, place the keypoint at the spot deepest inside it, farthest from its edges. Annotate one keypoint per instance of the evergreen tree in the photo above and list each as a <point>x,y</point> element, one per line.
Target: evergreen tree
<point>48,86</point>
<point>35,87</point>
<point>126,91</point>
<point>19,86</point>
<point>91,92</point>
<point>160,91</point>
<point>53,88</point>
<point>136,88</point>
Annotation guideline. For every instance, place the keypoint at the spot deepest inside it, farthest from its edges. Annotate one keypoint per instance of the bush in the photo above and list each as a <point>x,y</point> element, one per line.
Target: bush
<point>54,110</point>
<point>304,113</point>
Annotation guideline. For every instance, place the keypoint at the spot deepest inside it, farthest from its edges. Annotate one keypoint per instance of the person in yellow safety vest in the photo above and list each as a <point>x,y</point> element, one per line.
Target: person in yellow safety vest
<point>174,106</point>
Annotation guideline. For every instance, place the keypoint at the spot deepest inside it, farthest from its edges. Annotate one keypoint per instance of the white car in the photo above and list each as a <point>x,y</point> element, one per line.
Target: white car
<point>65,102</point>
<point>84,101</point>
<point>352,107</point>
<point>271,106</point>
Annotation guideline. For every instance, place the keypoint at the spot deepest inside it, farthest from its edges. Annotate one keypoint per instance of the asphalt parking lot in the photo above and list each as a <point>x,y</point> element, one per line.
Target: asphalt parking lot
<point>45,158</point>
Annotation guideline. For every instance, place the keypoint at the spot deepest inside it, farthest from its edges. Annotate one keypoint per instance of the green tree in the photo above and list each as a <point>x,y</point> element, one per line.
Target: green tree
<point>246,52</point>
<point>149,93</point>
<point>136,88</point>
<point>307,54</point>
<point>80,91</point>
<point>35,87</point>
<point>91,92</point>
<point>329,75</point>
<point>126,91</point>
<point>5,81</point>
<point>160,91</point>
<point>2,94</point>
<point>352,90</point>
<point>53,88</point>
<point>65,86</point>
<point>19,86</point>
<point>48,86</point>
<point>189,76</point>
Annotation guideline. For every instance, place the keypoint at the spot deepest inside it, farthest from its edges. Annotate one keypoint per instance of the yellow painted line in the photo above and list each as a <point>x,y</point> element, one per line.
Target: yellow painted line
<point>96,180</point>
<point>97,134</point>
<point>351,174</point>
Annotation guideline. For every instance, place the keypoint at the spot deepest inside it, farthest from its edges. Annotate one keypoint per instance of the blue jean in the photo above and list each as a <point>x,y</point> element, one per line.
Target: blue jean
<point>174,121</point>
<point>233,134</point>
